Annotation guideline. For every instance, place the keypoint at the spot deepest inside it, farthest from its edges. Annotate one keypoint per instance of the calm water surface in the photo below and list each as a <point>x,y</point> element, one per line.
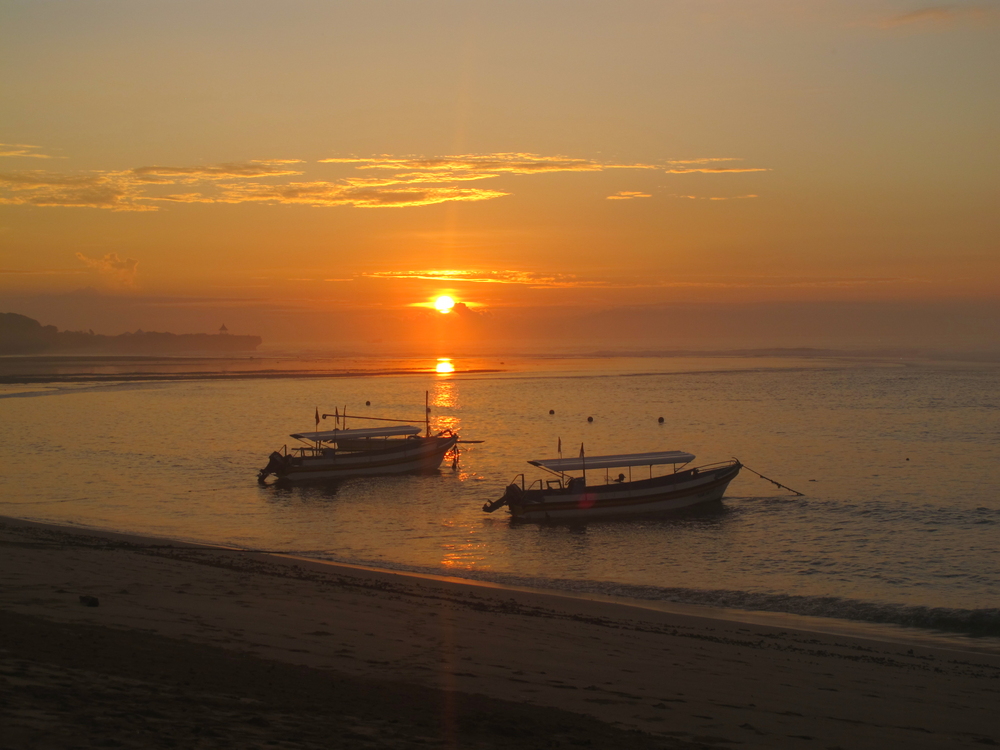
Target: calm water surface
<point>898,461</point>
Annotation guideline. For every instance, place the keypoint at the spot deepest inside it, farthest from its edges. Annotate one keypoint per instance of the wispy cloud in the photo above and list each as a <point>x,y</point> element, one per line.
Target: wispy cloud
<point>531,279</point>
<point>484,164</point>
<point>626,195</point>
<point>703,165</point>
<point>714,197</point>
<point>111,190</point>
<point>120,269</point>
<point>470,276</point>
<point>246,170</point>
<point>539,280</point>
<point>939,15</point>
<point>704,160</point>
<point>22,150</point>
<point>332,194</point>
<point>378,182</point>
<point>714,170</point>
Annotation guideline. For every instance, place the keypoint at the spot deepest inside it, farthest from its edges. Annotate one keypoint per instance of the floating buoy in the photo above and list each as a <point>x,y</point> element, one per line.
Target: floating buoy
<point>553,411</point>
<point>590,419</point>
<point>660,420</point>
<point>428,410</point>
<point>368,403</point>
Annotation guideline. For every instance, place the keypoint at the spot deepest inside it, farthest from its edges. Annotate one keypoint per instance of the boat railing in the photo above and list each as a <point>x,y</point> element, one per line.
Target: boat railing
<point>538,484</point>
<point>309,450</point>
<point>718,465</point>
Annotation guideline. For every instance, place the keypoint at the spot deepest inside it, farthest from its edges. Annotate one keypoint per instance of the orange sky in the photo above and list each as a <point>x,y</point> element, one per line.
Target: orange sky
<point>312,170</point>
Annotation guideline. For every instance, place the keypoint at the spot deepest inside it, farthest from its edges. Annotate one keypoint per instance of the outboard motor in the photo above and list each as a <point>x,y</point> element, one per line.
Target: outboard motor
<point>513,493</point>
<point>274,463</point>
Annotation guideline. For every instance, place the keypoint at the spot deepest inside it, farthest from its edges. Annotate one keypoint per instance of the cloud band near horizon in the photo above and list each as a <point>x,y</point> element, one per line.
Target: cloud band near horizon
<point>399,182</point>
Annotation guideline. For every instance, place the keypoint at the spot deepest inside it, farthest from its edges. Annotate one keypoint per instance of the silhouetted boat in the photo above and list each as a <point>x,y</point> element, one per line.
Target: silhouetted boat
<point>566,497</point>
<point>363,452</point>
<point>369,451</point>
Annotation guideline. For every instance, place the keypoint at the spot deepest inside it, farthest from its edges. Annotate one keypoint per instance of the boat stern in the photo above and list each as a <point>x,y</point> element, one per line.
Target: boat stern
<point>276,462</point>
<point>511,497</point>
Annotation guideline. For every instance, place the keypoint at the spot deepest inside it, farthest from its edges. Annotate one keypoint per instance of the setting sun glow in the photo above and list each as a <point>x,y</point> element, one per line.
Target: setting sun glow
<point>444,304</point>
<point>444,365</point>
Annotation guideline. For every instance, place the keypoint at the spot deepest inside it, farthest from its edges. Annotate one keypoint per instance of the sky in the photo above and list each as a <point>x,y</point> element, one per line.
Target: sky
<point>634,174</point>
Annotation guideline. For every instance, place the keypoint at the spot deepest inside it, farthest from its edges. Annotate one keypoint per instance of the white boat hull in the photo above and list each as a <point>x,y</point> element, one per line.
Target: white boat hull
<point>645,497</point>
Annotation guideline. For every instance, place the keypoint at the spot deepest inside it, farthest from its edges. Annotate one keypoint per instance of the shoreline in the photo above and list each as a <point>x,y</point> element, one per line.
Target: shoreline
<point>677,677</point>
<point>830,626</point>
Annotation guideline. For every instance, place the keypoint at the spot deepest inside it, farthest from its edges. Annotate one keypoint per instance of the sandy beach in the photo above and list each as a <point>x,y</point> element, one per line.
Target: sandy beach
<point>194,646</point>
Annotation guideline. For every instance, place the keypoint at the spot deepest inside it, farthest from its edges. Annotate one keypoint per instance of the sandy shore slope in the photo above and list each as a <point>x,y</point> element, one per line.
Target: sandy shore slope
<point>201,647</point>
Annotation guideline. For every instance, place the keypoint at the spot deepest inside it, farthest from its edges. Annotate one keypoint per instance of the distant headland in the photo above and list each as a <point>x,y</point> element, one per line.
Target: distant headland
<point>20,334</point>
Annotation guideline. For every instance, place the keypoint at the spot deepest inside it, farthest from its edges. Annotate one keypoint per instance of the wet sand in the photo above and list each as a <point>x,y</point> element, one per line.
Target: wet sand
<point>204,647</point>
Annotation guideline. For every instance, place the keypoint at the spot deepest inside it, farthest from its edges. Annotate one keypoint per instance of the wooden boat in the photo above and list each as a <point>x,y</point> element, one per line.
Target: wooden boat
<point>374,451</point>
<point>369,451</point>
<point>571,498</point>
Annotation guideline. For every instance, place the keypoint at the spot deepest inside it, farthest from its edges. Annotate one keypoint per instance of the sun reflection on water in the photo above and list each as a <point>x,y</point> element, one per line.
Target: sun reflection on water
<point>466,553</point>
<point>444,394</point>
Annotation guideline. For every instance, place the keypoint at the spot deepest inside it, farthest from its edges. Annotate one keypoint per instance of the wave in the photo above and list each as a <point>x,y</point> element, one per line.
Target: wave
<point>956,621</point>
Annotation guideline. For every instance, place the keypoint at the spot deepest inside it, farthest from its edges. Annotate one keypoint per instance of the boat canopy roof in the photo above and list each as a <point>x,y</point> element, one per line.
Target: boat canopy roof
<point>614,462</point>
<point>331,436</point>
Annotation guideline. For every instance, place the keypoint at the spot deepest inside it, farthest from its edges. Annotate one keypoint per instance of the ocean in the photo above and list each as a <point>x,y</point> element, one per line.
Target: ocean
<point>897,460</point>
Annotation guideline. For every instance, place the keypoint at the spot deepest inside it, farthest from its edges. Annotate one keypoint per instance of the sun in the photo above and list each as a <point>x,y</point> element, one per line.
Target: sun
<point>444,303</point>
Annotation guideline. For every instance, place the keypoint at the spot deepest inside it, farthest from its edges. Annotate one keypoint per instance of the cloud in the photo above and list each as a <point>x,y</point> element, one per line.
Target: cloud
<point>537,280</point>
<point>530,279</point>
<point>625,195</point>
<point>715,170</point>
<point>121,269</point>
<point>714,197</point>
<point>704,160</point>
<point>247,170</point>
<point>488,164</point>
<point>938,15</point>
<point>96,190</point>
<point>184,198</point>
<point>470,276</point>
<point>418,178</point>
<point>22,150</point>
<point>379,182</point>
<point>332,194</point>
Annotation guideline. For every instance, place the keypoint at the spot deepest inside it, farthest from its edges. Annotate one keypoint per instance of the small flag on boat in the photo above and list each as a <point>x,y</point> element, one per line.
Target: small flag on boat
<point>336,417</point>
<point>581,450</point>
<point>560,446</point>
<point>317,417</point>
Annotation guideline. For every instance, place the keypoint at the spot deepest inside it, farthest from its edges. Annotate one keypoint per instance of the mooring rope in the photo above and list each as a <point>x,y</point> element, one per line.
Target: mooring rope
<point>777,484</point>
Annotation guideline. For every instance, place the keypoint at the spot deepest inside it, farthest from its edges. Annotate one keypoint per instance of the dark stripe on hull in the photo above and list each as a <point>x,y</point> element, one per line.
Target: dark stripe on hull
<point>639,501</point>
<point>426,456</point>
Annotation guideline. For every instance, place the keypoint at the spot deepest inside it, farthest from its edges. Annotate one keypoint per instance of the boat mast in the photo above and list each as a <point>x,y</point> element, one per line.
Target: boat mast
<point>427,412</point>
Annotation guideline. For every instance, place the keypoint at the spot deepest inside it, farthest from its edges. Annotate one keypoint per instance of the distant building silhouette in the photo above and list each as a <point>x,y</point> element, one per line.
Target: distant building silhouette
<point>223,329</point>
